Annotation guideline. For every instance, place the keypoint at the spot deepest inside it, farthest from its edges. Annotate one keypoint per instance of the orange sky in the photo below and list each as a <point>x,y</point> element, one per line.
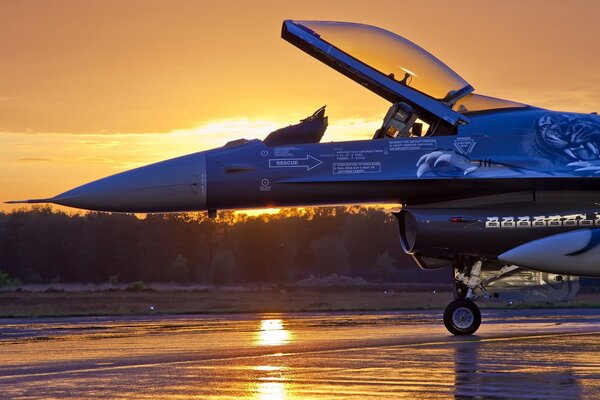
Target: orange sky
<point>89,88</point>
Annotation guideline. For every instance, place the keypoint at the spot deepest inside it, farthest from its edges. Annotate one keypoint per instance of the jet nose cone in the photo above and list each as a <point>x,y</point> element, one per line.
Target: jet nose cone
<point>174,185</point>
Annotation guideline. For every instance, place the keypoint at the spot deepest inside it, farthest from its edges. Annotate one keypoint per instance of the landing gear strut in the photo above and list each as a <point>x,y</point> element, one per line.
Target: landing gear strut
<point>462,316</point>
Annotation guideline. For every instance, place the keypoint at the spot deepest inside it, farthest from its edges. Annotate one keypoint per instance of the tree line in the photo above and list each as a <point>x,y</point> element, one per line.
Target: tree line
<point>43,245</point>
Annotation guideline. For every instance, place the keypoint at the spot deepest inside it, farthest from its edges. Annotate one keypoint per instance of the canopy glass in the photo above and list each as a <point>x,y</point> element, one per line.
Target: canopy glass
<point>391,55</point>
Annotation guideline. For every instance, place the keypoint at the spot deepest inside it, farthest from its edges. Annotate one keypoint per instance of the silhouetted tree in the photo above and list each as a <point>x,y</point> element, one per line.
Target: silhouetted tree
<point>384,268</point>
<point>42,245</point>
<point>329,255</point>
<point>180,270</point>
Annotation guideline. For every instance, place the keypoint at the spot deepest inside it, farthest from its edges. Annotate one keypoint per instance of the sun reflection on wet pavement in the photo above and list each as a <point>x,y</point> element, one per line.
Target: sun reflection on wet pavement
<point>525,354</point>
<point>272,333</point>
<point>272,385</point>
<point>271,391</point>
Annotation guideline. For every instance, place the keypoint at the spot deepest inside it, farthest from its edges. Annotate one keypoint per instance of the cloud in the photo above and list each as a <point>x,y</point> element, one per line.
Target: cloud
<point>221,131</point>
<point>129,150</point>
<point>35,159</point>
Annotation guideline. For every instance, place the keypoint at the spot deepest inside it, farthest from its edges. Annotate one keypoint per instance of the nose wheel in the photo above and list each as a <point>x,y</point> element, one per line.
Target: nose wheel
<point>462,317</point>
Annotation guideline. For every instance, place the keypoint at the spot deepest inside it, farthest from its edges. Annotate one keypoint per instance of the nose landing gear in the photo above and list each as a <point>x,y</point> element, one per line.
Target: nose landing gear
<point>462,317</point>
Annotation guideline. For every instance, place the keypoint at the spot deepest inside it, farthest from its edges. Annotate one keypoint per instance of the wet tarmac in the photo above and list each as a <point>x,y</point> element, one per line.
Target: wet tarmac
<point>526,354</point>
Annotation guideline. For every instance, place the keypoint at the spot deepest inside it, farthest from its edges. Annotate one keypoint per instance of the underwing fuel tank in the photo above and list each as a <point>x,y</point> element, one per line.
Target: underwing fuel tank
<point>525,235</point>
<point>574,253</point>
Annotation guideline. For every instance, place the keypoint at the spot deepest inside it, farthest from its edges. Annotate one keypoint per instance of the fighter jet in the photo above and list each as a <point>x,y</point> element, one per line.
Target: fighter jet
<point>505,193</point>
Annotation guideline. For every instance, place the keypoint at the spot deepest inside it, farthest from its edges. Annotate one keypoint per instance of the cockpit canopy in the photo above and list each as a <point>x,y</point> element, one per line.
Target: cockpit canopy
<point>428,98</point>
<point>392,55</point>
<point>385,63</point>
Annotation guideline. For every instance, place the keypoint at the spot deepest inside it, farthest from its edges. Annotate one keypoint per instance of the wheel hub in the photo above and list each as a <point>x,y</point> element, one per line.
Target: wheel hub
<point>462,318</point>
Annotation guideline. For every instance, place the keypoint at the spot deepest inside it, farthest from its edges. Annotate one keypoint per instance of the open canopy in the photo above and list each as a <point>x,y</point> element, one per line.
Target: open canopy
<point>385,63</point>
<point>393,56</point>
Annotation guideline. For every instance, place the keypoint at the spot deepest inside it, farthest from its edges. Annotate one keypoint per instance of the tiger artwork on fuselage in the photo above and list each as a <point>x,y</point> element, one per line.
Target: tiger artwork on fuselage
<point>560,140</point>
<point>570,139</point>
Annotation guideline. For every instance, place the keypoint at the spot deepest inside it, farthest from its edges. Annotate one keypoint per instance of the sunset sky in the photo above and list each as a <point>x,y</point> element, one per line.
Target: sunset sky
<point>90,88</point>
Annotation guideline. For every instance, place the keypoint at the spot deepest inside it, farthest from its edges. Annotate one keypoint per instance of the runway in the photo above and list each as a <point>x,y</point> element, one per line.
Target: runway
<point>526,354</point>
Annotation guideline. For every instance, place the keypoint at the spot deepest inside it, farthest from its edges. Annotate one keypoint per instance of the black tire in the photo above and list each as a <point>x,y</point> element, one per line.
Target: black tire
<point>462,317</point>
